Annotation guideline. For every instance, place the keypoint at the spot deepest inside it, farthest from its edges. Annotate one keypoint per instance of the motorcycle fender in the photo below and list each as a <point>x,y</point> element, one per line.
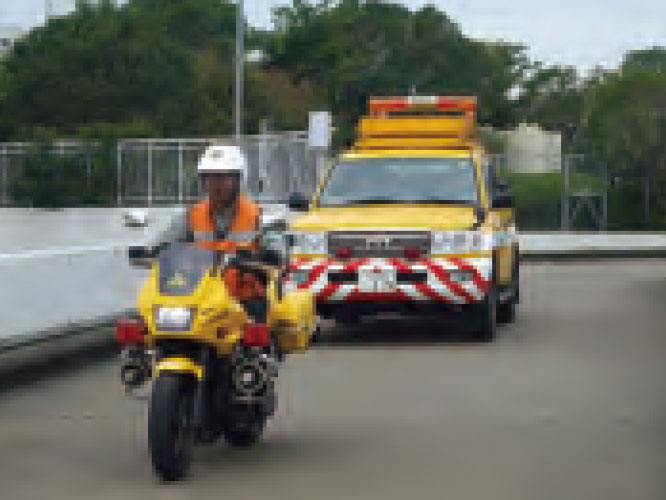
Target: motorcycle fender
<point>179,365</point>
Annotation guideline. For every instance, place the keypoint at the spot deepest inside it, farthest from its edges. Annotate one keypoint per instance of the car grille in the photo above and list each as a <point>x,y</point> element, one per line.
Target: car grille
<point>379,244</point>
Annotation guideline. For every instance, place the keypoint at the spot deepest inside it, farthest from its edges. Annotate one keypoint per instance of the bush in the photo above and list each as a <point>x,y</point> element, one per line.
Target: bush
<point>538,198</point>
<point>51,179</point>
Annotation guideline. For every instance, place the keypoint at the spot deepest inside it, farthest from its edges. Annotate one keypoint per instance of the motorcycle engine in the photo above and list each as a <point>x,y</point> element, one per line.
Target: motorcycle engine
<point>253,371</point>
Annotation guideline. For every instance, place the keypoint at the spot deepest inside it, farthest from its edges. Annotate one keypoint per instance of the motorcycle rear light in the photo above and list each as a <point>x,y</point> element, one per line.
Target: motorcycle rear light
<point>256,335</point>
<point>343,252</point>
<point>412,253</point>
<point>130,331</point>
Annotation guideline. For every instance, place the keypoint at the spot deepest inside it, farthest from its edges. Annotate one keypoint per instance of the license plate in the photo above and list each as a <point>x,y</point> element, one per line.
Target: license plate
<point>377,280</point>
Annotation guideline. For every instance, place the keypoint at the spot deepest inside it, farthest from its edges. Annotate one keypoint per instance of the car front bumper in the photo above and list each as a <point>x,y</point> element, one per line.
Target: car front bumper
<point>384,281</point>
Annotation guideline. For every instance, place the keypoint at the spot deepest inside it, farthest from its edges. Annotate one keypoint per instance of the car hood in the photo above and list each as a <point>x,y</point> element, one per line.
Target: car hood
<point>385,217</point>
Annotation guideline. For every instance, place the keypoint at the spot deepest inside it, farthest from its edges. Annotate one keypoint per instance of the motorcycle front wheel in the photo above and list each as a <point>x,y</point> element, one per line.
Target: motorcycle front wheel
<point>170,434</point>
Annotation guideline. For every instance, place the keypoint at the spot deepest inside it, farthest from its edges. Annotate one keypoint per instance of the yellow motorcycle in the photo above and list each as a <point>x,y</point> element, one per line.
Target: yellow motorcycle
<point>213,370</point>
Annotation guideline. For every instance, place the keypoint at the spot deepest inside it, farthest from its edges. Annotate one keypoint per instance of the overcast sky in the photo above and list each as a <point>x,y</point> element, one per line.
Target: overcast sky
<point>583,33</point>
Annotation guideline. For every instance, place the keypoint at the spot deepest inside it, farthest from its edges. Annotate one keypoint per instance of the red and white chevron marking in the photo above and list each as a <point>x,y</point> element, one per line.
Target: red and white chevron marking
<point>437,288</point>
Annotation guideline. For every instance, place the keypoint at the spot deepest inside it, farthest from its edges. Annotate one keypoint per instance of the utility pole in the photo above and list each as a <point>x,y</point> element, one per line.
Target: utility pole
<point>240,61</point>
<point>48,10</point>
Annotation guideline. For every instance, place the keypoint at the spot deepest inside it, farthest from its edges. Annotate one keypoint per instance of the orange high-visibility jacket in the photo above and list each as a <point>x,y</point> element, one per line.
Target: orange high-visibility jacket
<point>243,233</point>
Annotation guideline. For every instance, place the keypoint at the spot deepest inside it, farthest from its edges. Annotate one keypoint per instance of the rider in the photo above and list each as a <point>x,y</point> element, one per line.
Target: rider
<point>227,220</point>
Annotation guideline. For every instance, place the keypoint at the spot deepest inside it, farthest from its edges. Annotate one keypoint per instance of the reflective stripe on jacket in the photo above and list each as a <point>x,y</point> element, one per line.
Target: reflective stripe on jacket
<point>243,233</point>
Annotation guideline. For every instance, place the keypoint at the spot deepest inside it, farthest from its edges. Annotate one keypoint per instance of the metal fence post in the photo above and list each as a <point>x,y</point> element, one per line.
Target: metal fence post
<point>604,200</point>
<point>180,172</point>
<point>5,177</point>
<point>88,166</point>
<point>150,173</point>
<point>119,179</point>
<point>264,182</point>
<point>565,195</point>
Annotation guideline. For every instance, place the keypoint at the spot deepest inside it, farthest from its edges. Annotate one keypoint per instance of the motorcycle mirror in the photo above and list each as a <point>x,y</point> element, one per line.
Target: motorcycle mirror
<point>298,202</point>
<point>142,256</point>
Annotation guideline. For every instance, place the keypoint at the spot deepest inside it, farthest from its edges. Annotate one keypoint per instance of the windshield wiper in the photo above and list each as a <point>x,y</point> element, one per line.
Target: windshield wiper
<point>393,201</point>
<point>432,201</point>
<point>363,201</point>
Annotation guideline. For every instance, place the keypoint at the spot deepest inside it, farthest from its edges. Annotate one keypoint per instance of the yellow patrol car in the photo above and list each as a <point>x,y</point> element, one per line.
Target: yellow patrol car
<point>410,219</point>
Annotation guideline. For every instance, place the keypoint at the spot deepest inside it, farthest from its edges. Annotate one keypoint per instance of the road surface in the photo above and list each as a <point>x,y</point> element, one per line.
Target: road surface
<point>569,403</point>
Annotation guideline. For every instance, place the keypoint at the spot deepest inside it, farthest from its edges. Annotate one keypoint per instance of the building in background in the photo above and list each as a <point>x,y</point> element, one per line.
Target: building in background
<point>9,33</point>
<point>527,148</point>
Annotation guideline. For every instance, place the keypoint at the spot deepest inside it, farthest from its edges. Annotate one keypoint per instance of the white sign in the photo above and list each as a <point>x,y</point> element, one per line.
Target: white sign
<point>319,129</point>
<point>377,280</point>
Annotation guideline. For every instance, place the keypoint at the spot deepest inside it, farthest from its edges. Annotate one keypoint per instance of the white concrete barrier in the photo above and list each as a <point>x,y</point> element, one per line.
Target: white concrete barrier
<point>572,244</point>
<point>65,267</point>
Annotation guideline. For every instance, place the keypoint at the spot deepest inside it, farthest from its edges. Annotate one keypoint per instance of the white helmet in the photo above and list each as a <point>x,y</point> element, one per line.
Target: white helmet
<point>223,160</point>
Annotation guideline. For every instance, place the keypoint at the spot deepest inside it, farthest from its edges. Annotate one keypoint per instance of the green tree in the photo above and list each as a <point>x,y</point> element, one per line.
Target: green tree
<point>626,125</point>
<point>146,68</point>
<point>653,60</point>
<point>353,50</point>
<point>552,96</point>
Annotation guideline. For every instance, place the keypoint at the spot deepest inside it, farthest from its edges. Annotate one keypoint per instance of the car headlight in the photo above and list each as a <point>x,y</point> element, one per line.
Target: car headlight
<point>460,275</point>
<point>309,242</point>
<point>453,242</point>
<point>178,319</point>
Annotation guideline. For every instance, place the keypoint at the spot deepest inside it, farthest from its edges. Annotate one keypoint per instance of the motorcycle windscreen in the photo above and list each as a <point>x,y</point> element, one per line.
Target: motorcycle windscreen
<point>182,266</point>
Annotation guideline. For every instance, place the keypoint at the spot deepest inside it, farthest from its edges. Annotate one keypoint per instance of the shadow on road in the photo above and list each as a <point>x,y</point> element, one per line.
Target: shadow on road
<point>286,449</point>
<point>397,331</point>
<point>52,361</point>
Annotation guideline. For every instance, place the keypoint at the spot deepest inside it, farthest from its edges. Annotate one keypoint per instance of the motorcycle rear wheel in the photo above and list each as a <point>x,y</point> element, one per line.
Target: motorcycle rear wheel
<point>244,435</point>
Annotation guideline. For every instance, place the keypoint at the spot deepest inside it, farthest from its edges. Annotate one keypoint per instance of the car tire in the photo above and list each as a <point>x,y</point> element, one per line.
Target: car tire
<point>516,277</point>
<point>506,312</point>
<point>486,319</point>
<point>244,435</point>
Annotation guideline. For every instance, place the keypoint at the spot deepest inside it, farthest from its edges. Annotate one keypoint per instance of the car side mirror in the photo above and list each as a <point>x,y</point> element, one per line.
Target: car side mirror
<point>298,202</point>
<point>502,196</point>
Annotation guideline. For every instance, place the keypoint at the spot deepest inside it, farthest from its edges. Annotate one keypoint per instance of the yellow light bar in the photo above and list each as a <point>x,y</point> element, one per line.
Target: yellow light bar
<point>383,105</point>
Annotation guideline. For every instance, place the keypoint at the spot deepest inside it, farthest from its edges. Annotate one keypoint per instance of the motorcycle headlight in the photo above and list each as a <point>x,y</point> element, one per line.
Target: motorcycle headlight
<point>454,242</point>
<point>178,319</point>
<point>309,242</point>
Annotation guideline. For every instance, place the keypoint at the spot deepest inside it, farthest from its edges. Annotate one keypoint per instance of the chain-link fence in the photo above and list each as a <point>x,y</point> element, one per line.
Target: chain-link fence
<point>571,197</point>
<point>62,173</point>
<point>581,195</point>
<point>148,171</point>
<point>164,170</point>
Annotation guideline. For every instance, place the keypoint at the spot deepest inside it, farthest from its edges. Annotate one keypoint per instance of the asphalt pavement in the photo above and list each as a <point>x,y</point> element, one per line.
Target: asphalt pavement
<point>568,403</point>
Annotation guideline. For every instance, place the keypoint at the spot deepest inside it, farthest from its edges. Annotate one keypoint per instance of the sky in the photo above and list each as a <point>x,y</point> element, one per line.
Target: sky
<point>582,33</point>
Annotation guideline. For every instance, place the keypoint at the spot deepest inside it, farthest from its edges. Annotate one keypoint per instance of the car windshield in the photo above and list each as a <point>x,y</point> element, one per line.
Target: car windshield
<point>182,266</point>
<point>401,180</point>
